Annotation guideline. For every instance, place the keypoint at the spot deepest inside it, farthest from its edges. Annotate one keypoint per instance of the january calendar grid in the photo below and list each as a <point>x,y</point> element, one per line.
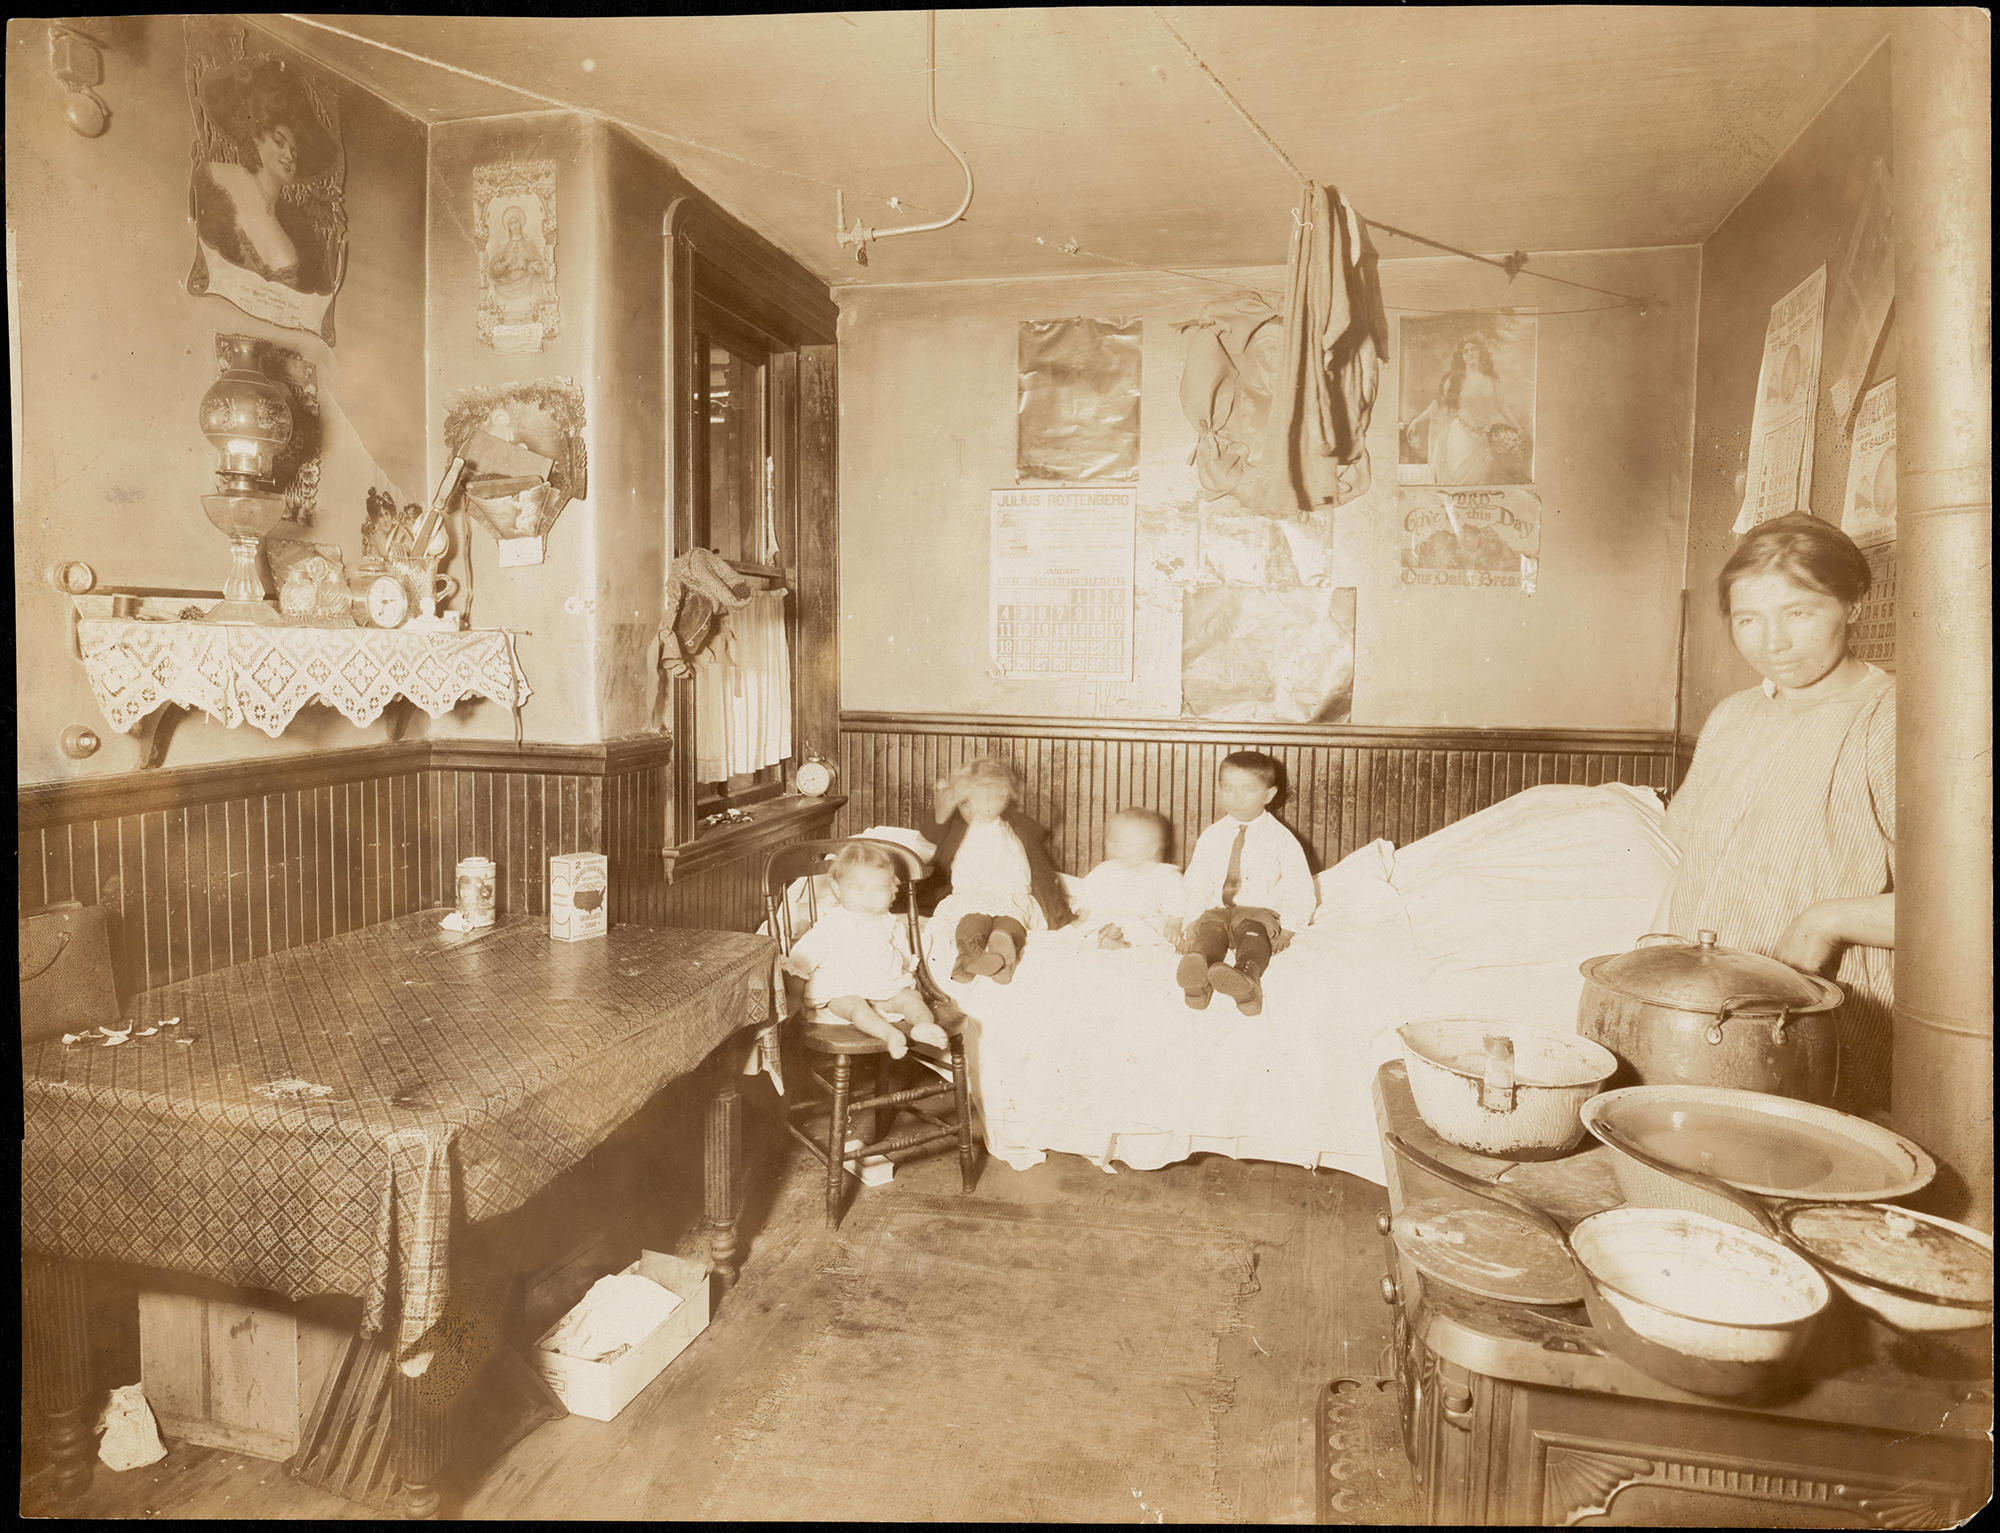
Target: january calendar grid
<point>1082,627</point>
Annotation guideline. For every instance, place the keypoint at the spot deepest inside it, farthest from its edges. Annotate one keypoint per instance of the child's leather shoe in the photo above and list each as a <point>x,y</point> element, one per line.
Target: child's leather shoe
<point>1192,976</point>
<point>1241,988</point>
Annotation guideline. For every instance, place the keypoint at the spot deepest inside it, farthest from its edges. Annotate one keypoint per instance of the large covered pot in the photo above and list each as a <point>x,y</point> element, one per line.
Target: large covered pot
<point>1698,1014</point>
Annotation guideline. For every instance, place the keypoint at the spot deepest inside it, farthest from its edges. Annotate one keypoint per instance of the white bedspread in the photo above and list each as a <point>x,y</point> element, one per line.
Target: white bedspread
<point>1095,1053</point>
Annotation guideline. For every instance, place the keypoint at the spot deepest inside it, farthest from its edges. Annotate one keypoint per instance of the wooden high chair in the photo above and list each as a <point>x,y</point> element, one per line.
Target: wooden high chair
<point>841,1044</point>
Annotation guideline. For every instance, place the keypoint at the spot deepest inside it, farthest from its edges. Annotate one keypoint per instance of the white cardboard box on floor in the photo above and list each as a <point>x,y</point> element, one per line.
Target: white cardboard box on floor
<point>601,1390</point>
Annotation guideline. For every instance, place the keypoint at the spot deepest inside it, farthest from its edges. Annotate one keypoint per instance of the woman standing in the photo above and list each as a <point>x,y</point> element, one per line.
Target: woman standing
<point>1463,419</point>
<point>1786,823</point>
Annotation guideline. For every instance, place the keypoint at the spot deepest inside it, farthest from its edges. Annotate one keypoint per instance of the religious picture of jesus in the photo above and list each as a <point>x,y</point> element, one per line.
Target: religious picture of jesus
<point>514,228</point>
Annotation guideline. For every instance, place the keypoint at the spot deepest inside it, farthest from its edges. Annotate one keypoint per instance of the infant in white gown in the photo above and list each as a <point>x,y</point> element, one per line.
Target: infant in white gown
<point>1132,898</point>
<point>856,960</point>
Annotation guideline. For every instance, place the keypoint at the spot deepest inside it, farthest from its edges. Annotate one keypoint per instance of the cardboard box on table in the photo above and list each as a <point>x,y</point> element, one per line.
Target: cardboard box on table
<point>601,1390</point>
<point>579,892</point>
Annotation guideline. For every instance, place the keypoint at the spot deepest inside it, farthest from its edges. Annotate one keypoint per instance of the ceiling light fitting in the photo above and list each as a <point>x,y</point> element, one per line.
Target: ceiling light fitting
<point>860,235</point>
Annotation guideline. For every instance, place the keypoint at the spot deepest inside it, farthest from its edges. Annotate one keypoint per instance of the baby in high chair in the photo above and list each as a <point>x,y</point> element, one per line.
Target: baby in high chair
<point>855,959</point>
<point>995,861</point>
<point>1133,898</point>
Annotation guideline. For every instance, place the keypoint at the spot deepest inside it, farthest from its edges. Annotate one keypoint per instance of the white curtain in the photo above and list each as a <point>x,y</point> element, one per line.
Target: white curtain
<point>743,692</point>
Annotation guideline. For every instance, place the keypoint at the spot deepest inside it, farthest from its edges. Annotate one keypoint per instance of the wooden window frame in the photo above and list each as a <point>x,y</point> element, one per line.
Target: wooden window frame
<point>722,281</point>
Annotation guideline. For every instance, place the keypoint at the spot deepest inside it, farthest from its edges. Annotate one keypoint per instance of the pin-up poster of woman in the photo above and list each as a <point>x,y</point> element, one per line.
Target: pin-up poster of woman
<point>1468,399</point>
<point>266,194</point>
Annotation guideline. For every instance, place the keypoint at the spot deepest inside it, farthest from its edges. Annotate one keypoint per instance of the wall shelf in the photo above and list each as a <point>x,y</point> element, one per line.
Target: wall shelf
<point>141,669</point>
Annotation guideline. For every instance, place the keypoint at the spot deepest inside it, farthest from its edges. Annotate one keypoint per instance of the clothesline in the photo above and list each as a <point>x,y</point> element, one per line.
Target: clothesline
<point>1512,264</point>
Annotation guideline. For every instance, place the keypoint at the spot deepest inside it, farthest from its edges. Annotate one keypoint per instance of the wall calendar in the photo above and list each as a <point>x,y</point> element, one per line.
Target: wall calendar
<point>1061,583</point>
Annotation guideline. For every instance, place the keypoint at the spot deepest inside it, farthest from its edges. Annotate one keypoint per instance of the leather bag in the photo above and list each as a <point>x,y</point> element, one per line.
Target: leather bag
<point>65,960</point>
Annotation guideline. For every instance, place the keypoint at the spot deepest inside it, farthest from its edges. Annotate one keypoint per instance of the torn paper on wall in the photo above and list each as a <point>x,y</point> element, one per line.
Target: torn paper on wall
<point>1781,429</point>
<point>1078,416</point>
<point>1309,540</point>
<point>1244,549</point>
<point>1488,537</point>
<point>1169,544</point>
<point>1269,656</point>
<point>1868,512</point>
<point>1155,689</point>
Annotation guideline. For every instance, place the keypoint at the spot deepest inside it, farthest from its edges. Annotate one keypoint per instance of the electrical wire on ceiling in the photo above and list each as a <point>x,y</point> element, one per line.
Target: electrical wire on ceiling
<point>1512,264</point>
<point>1069,247</point>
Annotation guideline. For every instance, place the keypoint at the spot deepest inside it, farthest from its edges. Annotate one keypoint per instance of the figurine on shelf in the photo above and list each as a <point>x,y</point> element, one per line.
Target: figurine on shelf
<point>385,524</point>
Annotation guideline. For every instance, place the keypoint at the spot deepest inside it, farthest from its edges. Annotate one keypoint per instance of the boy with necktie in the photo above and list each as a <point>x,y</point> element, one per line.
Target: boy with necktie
<point>1249,889</point>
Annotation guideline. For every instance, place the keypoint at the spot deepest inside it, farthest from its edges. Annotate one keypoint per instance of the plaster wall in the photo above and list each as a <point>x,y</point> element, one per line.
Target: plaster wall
<point>928,402</point>
<point>634,517</point>
<point>592,612</point>
<point>545,603</point>
<point>1799,216</point>
<point>115,355</point>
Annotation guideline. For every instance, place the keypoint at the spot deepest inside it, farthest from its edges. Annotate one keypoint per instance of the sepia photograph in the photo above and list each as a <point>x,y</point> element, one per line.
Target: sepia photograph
<point>1043,765</point>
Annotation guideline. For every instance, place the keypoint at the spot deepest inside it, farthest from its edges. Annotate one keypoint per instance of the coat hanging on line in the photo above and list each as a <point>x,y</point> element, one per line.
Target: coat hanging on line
<point>1281,402</point>
<point>1336,335</point>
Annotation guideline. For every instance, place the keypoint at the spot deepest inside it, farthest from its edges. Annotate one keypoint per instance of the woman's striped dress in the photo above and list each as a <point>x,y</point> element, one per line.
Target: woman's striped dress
<point>1789,802</point>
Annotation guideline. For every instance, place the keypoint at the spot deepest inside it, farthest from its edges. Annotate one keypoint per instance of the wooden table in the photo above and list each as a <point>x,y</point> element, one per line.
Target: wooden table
<point>1520,1414</point>
<point>334,1118</point>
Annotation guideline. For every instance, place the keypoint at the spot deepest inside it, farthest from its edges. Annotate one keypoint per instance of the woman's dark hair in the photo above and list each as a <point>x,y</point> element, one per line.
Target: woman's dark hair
<point>248,99</point>
<point>1452,386</point>
<point>1805,550</point>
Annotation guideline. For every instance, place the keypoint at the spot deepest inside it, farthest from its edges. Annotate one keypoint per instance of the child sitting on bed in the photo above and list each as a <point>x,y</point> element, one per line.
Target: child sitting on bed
<point>854,960</point>
<point>995,862</point>
<point>1248,888</point>
<point>1132,898</point>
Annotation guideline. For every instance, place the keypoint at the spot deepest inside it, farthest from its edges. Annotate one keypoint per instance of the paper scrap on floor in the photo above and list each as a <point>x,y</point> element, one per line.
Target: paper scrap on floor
<point>131,1438</point>
<point>620,1311</point>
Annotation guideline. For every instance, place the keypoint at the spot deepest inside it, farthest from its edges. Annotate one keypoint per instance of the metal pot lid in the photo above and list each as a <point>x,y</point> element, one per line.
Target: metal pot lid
<point>1897,1248</point>
<point>1703,976</point>
<point>1491,1252</point>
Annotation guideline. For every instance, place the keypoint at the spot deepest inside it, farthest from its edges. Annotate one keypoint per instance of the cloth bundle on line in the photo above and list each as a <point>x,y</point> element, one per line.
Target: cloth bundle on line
<point>1232,362</point>
<point>701,587</point>
<point>1281,409</point>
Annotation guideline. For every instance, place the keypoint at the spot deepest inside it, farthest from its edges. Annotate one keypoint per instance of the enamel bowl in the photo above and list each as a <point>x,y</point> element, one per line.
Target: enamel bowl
<point>1775,1147</point>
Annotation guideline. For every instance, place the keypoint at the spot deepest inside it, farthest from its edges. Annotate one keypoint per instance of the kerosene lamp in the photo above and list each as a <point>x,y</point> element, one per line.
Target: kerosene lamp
<point>249,419</point>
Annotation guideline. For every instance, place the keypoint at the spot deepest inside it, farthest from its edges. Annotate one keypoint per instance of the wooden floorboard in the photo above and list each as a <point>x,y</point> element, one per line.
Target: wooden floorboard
<point>1312,1313</point>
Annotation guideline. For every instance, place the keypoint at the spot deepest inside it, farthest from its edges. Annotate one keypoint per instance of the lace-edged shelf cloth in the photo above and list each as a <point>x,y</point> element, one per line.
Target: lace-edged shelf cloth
<point>264,676</point>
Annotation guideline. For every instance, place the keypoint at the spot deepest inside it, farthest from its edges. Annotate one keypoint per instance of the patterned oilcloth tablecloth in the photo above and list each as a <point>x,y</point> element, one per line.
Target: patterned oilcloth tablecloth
<point>323,1119</point>
<point>240,673</point>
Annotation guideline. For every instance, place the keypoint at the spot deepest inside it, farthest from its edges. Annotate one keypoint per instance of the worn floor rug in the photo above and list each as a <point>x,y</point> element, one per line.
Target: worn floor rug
<point>1027,1417</point>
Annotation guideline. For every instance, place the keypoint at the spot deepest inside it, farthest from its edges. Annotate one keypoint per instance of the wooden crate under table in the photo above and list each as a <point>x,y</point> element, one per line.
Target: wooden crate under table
<point>237,1368</point>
